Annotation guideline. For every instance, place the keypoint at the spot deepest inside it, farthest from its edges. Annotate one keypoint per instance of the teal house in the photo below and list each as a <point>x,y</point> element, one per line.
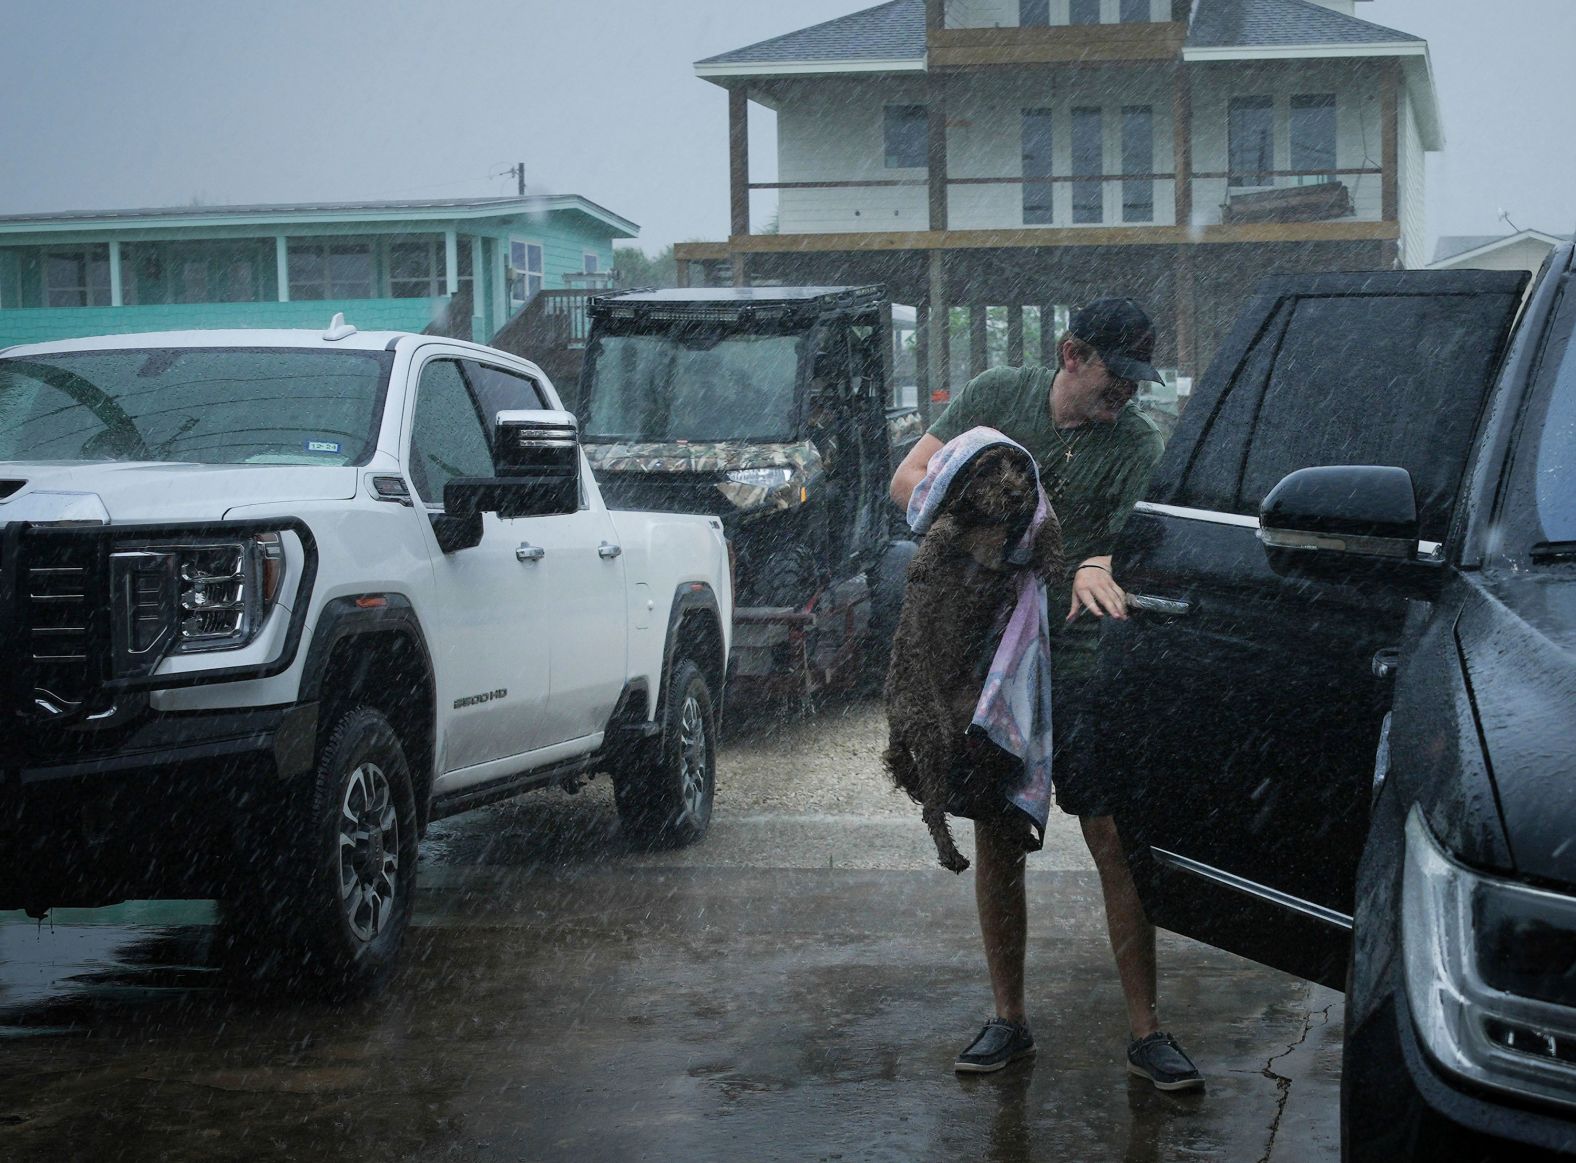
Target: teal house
<point>463,268</point>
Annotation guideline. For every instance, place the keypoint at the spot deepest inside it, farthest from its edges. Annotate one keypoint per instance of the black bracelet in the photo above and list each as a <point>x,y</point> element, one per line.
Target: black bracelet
<point>1092,565</point>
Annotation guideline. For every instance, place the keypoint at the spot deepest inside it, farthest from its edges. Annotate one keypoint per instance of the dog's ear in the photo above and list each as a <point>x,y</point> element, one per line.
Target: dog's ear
<point>1046,557</point>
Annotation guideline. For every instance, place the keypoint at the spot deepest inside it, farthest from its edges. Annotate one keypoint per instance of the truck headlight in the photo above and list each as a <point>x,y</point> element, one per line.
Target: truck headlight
<point>192,598</point>
<point>1490,968</point>
<point>762,478</point>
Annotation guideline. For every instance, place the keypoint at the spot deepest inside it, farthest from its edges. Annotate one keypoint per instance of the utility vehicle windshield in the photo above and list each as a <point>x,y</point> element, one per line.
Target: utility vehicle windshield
<point>666,388</point>
<point>209,406</point>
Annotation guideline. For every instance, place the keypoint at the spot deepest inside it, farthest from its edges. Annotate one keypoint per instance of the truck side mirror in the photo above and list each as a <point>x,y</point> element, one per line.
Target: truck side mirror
<point>536,459</point>
<point>1347,523</point>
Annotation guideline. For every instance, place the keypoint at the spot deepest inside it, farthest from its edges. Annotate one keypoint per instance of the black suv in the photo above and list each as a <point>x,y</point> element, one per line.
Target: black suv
<point>1348,701</point>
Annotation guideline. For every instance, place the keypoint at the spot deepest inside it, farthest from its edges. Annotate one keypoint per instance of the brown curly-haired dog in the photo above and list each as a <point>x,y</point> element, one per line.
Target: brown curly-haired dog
<point>959,584</point>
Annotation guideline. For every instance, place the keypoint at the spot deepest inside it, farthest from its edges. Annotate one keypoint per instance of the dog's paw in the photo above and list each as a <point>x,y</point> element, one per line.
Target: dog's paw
<point>955,862</point>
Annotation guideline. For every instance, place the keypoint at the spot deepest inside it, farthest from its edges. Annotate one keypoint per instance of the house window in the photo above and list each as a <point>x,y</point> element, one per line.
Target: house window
<point>330,270</point>
<point>593,264</point>
<point>1138,157</point>
<point>1313,136</point>
<point>201,271</point>
<point>907,137</point>
<point>416,270</point>
<point>77,277</point>
<point>527,272</point>
<point>1083,12</point>
<point>1250,141</point>
<point>1037,164</point>
<point>1034,13</point>
<point>420,269</point>
<point>1134,12</point>
<point>1088,161</point>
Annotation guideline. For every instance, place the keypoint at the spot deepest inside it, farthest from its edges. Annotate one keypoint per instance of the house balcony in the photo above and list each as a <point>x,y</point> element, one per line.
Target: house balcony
<point>1344,204</point>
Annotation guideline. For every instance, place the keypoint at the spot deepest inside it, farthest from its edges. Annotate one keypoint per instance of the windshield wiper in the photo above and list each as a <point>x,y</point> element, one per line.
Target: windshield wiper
<point>1554,551</point>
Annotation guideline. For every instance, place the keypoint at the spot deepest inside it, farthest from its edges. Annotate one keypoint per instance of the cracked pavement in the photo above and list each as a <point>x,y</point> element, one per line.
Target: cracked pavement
<point>793,988</point>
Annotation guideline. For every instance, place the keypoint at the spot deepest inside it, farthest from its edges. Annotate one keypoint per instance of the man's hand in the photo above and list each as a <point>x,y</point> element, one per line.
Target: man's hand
<point>1095,590</point>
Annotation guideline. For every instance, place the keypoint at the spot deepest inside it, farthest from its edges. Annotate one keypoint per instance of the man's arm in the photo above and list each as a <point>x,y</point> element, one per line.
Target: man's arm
<point>913,469</point>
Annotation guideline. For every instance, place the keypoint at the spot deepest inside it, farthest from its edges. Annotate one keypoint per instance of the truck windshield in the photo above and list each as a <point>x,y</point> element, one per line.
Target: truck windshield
<point>1556,461</point>
<point>664,388</point>
<point>200,405</point>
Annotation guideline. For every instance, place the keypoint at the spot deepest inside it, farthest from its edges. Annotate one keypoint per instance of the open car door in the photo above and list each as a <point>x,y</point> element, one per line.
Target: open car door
<point>1245,709</point>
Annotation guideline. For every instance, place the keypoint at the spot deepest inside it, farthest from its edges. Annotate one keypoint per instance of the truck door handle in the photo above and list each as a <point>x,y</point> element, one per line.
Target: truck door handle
<point>1168,607</point>
<point>529,552</point>
<point>608,550</point>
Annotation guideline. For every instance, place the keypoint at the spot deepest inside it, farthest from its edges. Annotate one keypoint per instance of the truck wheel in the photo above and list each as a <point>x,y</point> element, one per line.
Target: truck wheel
<point>349,884</point>
<point>665,800</point>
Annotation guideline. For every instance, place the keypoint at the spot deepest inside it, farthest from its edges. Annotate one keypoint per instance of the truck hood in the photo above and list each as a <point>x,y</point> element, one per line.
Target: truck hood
<point>117,493</point>
<point>1519,649</point>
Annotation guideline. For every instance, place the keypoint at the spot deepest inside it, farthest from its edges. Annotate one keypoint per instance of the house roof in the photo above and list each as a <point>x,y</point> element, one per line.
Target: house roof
<point>448,210</point>
<point>1283,23</point>
<point>888,37</point>
<point>1454,247</point>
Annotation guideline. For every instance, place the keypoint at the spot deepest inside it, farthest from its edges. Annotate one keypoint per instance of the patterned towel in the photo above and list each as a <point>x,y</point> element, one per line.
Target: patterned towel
<point>1014,708</point>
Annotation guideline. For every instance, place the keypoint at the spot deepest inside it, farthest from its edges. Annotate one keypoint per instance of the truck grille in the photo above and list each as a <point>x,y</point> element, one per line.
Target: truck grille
<point>59,619</point>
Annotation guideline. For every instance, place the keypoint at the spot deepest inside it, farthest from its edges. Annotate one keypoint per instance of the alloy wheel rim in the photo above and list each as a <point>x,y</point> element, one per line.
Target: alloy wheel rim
<point>368,852</point>
<point>693,750</point>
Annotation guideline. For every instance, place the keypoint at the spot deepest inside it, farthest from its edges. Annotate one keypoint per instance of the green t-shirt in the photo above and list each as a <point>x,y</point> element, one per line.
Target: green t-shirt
<point>1092,491</point>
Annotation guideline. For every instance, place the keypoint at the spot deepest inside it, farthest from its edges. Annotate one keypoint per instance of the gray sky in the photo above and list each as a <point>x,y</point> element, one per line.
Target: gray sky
<point>127,103</point>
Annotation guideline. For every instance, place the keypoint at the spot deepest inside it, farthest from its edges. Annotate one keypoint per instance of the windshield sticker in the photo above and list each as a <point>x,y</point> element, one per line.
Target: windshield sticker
<point>329,446</point>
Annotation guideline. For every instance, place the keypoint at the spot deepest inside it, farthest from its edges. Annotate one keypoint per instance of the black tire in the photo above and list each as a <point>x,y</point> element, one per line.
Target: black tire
<point>665,797</point>
<point>788,576</point>
<point>341,900</point>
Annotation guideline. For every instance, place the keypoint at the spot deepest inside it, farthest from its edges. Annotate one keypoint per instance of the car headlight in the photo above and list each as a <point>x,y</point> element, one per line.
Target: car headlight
<point>192,598</point>
<point>762,478</point>
<point>1490,969</point>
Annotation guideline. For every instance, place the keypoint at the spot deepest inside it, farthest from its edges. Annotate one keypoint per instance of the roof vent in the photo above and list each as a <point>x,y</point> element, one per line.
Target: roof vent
<point>338,329</point>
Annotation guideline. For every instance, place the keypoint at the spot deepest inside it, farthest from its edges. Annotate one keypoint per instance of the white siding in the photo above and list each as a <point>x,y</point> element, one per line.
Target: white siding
<point>1525,255</point>
<point>1410,187</point>
<point>1004,13</point>
<point>1357,140</point>
<point>834,131</point>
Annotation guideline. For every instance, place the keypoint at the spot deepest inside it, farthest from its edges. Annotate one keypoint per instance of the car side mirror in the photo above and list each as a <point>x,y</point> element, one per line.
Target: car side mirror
<point>1350,524</point>
<point>536,462</point>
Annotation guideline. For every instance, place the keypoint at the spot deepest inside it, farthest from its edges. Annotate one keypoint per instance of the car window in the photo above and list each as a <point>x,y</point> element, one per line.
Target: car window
<point>503,391</point>
<point>1342,393</point>
<point>1554,421</point>
<point>447,437</point>
<point>1213,479</point>
<point>198,405</point>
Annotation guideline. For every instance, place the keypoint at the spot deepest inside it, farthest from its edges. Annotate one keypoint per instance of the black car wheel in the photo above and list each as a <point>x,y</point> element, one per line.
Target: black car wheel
<point>340,902</point>
<point>665,799</point>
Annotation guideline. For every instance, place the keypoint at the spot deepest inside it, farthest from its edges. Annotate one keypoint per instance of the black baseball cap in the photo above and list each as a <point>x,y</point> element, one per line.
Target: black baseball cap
<point>1120,331</point>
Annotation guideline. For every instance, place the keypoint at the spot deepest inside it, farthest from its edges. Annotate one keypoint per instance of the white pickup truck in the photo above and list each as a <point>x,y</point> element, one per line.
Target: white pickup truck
<point>271,601</point>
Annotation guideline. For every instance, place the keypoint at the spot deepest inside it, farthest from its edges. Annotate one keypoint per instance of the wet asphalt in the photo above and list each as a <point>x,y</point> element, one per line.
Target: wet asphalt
<point>794,988</point>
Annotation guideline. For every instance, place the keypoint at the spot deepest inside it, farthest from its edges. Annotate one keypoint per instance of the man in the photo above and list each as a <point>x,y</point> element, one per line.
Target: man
<point>1095,451</point>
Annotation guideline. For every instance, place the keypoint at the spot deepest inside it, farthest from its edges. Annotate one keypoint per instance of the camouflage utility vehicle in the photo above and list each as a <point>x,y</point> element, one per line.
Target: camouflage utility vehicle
<point>768,408</point>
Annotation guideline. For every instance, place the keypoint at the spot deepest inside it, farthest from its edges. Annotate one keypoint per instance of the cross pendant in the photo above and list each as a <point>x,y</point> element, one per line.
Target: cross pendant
<point>1069,456</point>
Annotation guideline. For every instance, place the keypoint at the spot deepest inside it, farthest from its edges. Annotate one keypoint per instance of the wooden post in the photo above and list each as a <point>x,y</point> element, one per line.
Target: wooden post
<point>1185,294</point>
<point>939,351</point>
<point>681,274</point>
<point>1390,141</point>
<point>1182,143</point>
<point>935,16</point>
<point>979,338</point>
<point>922,360</point>
<point>741,269</point>
<point>739,160</point>
<point>1048,336</point>
<point>1015,335</point>
<point>936,109</point>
